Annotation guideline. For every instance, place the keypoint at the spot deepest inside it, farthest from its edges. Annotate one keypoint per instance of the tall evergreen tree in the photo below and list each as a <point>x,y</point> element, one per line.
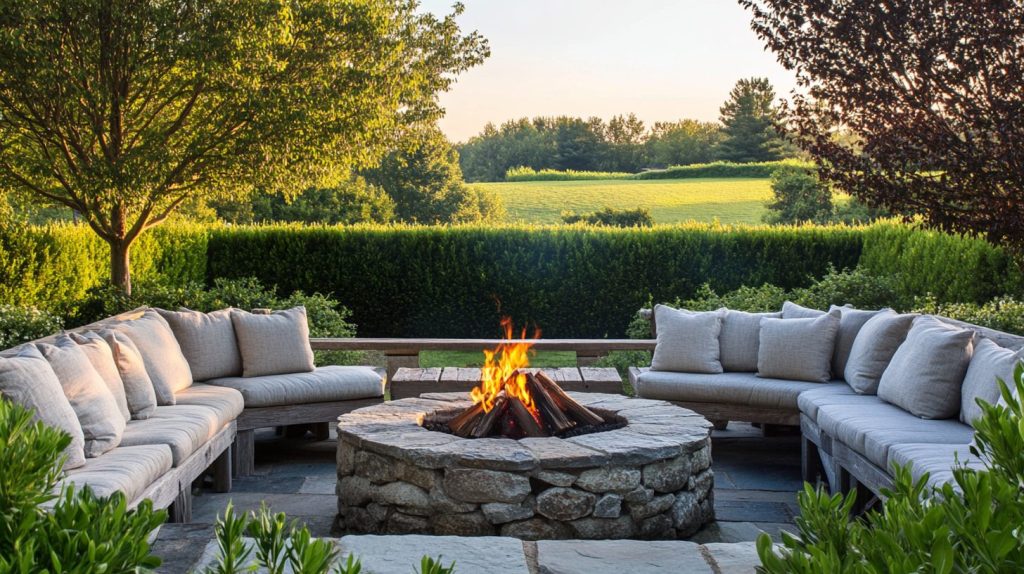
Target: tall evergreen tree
<point>751,122</point>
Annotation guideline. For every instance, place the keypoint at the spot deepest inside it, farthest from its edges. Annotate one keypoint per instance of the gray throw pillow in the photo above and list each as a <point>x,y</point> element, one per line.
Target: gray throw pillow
<point>102,358</point>
<point>161,354</point>
<point>102,423</point>
<point>791,310</point>
<point>849,325</point>
<point>740,339</point>
<point>988,363</point>
<point>798,349</point>
<point>138,387</point>
<point>926,373</point>
<point>273,344</point>
<point>873,348</point>
<point>208,342</point>
<point>687,342</point>
<point>27,379</point>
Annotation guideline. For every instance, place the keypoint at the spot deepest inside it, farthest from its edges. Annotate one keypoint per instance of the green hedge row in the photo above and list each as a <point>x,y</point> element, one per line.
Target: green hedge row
<point>571,282</point>
<point>721,169</point>
<point>530,174</point>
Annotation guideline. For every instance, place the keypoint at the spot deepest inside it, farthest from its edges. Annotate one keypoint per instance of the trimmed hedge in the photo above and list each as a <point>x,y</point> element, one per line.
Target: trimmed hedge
<point>570,281</point>
<point>722,169</point>
<point>530,174</point>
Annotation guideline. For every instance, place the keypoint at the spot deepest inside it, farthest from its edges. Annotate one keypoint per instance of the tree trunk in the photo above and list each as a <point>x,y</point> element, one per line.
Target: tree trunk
<point>120,266</point>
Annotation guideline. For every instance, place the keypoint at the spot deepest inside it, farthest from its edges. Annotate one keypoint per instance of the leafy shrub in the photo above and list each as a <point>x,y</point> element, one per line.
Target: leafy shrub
<point>857,287</point>
<point>798,197</point>
<point>722,169</point>
<point>974,526</point>
<point>767,297</point>
<point>522,173</point>
<point>81,533</point>
<point>639,217</point>
<point>353,201</point>
<point>21,324</point>
<point>1003,313</point>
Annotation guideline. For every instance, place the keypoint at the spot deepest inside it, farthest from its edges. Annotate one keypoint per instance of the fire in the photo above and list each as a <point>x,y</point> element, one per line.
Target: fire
<point>501,371</point>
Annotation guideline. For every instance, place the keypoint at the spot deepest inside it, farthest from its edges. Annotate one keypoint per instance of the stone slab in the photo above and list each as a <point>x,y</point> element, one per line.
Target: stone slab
<point>739,558</point>
<point>618,556</point>
<point>402,554</point>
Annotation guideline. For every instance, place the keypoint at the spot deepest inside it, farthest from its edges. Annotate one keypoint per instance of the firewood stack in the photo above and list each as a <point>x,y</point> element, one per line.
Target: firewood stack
<point>510,417</point>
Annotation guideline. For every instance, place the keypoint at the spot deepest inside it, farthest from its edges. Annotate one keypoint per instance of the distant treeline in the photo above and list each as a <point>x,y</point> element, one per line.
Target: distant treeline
<point>718,169</point>
<point>748,131</point>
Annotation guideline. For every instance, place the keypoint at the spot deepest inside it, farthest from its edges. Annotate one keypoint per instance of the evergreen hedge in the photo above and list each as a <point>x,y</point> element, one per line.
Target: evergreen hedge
<point>457,281</point>
<point>722,169</point>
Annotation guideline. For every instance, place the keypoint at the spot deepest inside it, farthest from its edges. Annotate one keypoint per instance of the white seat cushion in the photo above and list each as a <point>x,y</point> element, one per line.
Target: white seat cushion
<point>936,459</point>
<point>731,388</point>
<point>128,469</point>
<point>227,402</point>
<point>184,428</point>
<point>324,384</point>
<point>810,400</point>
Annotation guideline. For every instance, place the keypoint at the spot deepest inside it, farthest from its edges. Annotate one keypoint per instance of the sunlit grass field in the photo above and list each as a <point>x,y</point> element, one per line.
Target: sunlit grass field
<point>733,200</point>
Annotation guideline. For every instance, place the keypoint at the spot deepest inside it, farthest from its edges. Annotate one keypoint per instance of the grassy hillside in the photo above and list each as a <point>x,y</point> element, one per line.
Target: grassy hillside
<point>734,200</point>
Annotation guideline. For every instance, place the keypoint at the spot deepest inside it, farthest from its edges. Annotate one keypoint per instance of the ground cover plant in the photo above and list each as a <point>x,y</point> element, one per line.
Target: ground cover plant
<point>80,533</point>
<point>973,525</point>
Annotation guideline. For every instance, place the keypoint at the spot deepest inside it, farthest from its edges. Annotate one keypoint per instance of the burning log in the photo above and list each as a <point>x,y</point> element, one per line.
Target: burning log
<point>464,423</point>
<point>566,403</point>
<point>487,422</point>
<point>524,420</point>
<point>550,413</point>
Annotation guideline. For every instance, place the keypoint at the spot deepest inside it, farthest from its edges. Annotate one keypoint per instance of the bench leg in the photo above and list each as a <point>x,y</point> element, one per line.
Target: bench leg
<point>244,453</point>
<point>811,469</point>
<point>321,431</point>
<point>180,511</point>
<point>222,471</point>
<point>720,424</point>
<point>844,480</point>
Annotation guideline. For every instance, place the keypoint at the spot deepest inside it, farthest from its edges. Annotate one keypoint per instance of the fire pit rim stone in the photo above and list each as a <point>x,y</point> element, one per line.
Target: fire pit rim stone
<point>394,429</point>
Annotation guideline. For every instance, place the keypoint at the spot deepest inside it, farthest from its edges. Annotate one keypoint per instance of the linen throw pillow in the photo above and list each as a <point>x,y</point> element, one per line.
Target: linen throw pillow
<point>138,387</point>
<point>926,373</point>
<point>273,344</point>
<point>791,310</point>
<point>798,349</point>
<point>207,341</point>
<point>102,423</point>
<point>988,363</point>
<point>102,358</point>
<point>27,379</point>
<point>687,341</point>
<point>873,348</point>
<point>161,354</point>
<point>851,322</point>
<point>740,339</point>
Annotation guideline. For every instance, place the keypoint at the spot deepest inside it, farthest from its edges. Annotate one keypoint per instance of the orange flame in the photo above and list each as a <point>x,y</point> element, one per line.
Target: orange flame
<point>500,371</point>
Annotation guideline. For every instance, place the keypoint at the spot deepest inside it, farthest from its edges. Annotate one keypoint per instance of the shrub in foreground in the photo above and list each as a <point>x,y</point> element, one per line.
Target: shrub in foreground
<point>972,525</point>
<point>639,217</point>
<point>21,324</point>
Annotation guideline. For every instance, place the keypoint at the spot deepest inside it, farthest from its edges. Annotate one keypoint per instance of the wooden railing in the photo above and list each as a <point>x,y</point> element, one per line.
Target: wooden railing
<point>406,352</point>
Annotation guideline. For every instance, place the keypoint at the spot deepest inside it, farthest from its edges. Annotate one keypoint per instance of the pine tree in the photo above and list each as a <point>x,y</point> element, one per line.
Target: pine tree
<point>751,122</point>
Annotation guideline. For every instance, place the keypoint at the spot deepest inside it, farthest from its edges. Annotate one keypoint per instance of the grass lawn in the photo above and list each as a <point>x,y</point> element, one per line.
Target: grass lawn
<point>736,200</point>
<point>476,359</point>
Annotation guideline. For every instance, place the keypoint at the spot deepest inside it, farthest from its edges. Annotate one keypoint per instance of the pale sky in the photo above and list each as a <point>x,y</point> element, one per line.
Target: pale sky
<point>662,59</point>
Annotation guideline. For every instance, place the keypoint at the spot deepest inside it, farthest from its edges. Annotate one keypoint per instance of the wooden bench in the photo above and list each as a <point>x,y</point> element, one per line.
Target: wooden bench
<point>412,382</point>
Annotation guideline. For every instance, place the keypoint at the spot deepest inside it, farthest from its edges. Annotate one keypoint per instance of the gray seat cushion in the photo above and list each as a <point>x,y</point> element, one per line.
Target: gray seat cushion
<point>873,348</point>
<point>333,383</point>
<point>687,341</point>
<point>128,469</point>
<point>102,358</point>
<point>184,428</point>
<point>740,339</point>
<point>849,326</point>
<point>168,370</point>
<point>936,459</point>
<point>227,402</point>
<point>872,427</point>
<point>138,387</point>
<point>798,349</point>
<point>811,400</point>
<point>730,388</point>
<point>208,342</point>
<point>989,363</point>
<point>273,344</point>
<point>791,310</point>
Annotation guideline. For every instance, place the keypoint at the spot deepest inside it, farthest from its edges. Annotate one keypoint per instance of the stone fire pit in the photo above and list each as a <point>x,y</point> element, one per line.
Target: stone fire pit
<point>650,479</point>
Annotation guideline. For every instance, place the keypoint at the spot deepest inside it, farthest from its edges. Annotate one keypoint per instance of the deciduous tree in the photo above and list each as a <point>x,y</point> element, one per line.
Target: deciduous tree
<point>933,92</point>
<point>122,110</point>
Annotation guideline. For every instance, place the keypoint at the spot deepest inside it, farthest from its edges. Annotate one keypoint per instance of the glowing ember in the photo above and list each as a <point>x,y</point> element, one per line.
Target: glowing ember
<point>501,371</point>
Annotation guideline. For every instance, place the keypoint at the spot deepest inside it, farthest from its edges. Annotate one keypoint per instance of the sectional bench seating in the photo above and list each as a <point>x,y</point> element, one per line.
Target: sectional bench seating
<point>184,394</point>
<point>910,402</point>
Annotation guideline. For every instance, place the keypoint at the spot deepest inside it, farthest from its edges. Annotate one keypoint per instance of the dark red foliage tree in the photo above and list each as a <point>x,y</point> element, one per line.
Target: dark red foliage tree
<point>933,92</point>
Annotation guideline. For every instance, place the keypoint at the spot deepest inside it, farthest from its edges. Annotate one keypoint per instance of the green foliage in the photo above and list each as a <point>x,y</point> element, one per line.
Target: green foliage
<point>429,565</point>
<point>855,287</point>
<point>684,142</point>
<point>21,324</point>
<point>723,169</point>
<point>953,268</point>
<point>639,217</point>
<point>232,551</point>
<point>767,297</point>
<point>522,173</point>
<point>354,201</point>
<point>751,124</point>
<point>1002,313</point>
<point>80,533</point>
<point>570,281</point>
<point>799,197</point>
<point>972,525</point>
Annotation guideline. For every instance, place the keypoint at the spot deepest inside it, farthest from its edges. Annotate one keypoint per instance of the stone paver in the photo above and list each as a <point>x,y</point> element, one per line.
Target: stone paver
<point>399,554</point>
<point>619,556</point>
<point>737,558</point>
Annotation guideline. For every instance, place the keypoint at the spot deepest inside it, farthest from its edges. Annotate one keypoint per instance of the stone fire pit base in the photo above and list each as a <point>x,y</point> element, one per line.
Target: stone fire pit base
<point>649,480</point>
